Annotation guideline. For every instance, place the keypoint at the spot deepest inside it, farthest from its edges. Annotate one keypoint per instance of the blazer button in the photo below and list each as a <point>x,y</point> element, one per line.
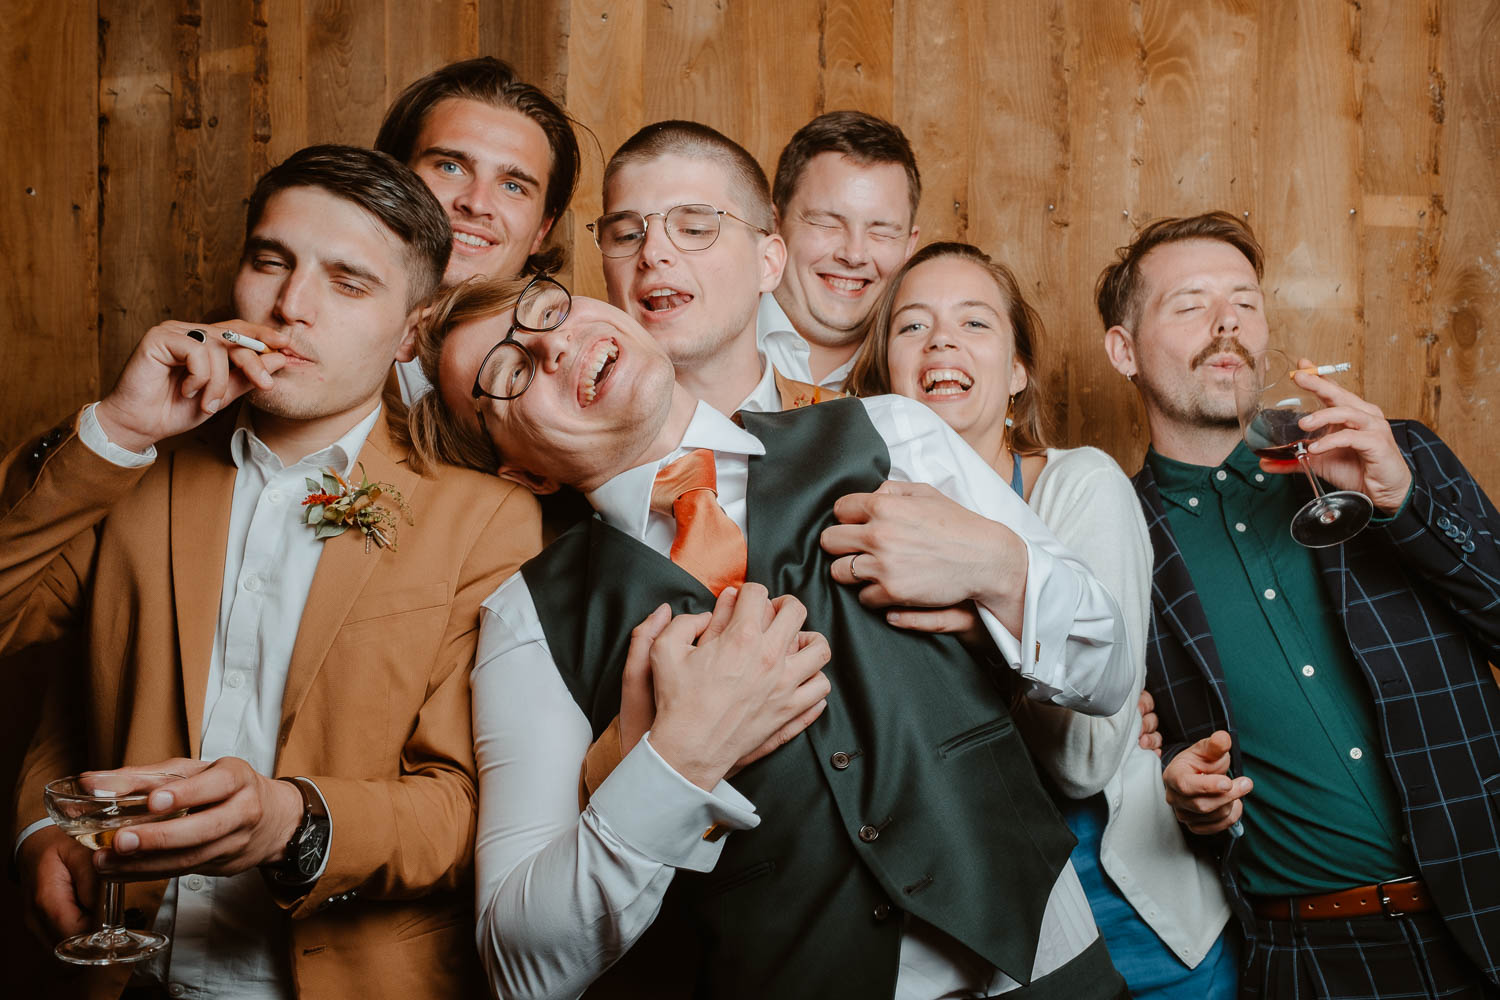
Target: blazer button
<point>839,760</point>
<point>868,833</point>
<point>881,911</point>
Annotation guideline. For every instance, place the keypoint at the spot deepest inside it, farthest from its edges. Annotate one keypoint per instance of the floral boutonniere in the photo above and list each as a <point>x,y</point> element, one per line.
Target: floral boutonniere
<point>334,506</point>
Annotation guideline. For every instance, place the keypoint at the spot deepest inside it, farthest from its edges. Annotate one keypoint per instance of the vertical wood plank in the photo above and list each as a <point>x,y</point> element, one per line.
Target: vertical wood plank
<point>1464,364</point>
<point>858,36</point>
<point>138,272</point>
<point>1399,211</point>
<point>533,37</point>
<point>934,106</point>
<point>422,37</point>
<point>50,236</point>
<point>224,171</point>
<point>1309,152</point>
<point>285,87</point>
<point>1105,69</point>
<point>345,71</point>
<point>606,91</point>
<point>776,54</point>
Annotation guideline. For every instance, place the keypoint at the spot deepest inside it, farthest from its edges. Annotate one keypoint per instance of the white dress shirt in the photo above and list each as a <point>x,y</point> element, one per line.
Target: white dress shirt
<point>787,349</point>
<point>228,940</point>
<point>411,379</point>
<point>562,896</point>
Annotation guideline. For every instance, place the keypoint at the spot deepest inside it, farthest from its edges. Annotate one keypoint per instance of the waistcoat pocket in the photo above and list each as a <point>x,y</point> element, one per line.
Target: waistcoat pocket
<point>976,737</point>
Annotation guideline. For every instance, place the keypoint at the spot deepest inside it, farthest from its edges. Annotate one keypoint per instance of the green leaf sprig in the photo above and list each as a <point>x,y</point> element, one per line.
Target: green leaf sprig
<point>333,506</point>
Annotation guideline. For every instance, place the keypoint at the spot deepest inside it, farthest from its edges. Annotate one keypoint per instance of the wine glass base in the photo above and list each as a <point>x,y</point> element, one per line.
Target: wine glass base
<point>115,946</point>
<point>1332,519</point>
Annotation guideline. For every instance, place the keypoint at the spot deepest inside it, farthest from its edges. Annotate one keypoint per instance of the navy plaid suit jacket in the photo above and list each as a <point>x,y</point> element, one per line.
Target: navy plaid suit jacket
<point>1419,599</point>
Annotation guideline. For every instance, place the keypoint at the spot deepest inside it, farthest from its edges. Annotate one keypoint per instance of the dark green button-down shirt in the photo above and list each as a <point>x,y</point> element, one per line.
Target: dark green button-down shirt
<point>1325,813</point>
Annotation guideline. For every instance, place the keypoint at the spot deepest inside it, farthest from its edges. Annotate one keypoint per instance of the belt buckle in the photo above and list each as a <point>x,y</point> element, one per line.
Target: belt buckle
<point>1385,897</point>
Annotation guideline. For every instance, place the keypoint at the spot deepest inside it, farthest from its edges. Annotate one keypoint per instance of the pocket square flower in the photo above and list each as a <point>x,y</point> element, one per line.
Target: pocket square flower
<point>333,506</point>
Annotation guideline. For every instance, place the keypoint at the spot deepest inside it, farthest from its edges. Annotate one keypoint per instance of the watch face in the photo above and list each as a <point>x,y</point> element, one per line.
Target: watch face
<point>310,849</point>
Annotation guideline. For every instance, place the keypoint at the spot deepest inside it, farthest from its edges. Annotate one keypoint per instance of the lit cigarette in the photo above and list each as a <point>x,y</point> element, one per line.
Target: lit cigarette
<point>1342,366</point>
<point>240,340</point>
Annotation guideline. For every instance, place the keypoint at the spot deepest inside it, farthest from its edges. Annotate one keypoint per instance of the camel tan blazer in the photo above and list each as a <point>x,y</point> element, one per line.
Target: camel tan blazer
<point>376,708</point>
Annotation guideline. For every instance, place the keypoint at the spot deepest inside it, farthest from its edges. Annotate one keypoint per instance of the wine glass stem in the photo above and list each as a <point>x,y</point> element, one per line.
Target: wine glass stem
<point>111,906</point>
<point>1307,468</point>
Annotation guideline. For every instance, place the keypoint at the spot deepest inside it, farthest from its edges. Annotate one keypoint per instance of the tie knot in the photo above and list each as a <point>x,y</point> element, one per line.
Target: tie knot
<point>693,471</point>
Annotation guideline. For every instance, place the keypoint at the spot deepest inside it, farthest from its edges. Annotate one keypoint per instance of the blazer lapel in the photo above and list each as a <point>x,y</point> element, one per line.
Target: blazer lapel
<point>343,570</point>
<point>202,486</point>
<point>1174,598</point>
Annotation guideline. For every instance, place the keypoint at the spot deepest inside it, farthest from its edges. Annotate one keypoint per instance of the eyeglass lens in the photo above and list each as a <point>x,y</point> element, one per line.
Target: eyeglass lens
<point>689,227</point>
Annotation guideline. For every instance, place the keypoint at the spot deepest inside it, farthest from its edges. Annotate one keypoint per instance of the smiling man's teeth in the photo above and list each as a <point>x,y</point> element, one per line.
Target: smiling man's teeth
<point>845,284</point>
<point>664,298</point>
<point>470,240</point>
<point>606,352</point>
<point>945,382</point>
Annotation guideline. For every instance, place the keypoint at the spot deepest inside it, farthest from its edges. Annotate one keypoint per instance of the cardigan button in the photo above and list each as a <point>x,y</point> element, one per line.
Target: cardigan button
<point>868,833</point>
<point>839,760</point>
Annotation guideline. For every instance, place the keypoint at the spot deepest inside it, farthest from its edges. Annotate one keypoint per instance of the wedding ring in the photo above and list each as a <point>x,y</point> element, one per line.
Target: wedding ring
<point>852,559</point>
<point>201,336</point>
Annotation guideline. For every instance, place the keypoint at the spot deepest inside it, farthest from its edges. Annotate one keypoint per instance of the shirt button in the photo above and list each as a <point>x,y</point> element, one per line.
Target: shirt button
<point>1221,475</point>
<point>252,582</point>
<point>176,990</point>
<point>1307,670</point>
<point>275,496</point>
<point>1239,526</point>
<point>1269,594</point>
<point>234,678</point>
<point>868,833</point>
<point>1355,753</point>
<point>1260,477</point>
<point>196,882</point>
<point>1192,501</point>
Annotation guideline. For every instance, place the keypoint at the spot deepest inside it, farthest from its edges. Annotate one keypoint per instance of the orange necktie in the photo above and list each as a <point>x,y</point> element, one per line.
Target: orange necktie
<point>708,544</point>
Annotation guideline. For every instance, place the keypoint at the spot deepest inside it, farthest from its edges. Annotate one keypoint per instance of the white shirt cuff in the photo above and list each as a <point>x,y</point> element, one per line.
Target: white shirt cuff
<point>665,817</point>
<point>99,443</point>
<point>33,828</point>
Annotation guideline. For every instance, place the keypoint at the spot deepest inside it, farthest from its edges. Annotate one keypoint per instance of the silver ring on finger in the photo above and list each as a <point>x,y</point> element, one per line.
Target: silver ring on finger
<point>852,560</point>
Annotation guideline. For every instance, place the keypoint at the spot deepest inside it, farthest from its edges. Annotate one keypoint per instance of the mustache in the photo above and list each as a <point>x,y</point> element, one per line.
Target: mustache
<point>1221,345</point>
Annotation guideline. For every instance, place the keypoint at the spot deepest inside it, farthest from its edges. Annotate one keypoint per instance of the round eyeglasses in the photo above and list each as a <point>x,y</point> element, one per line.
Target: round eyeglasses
<point>508,368</point>
<point>689,227</point>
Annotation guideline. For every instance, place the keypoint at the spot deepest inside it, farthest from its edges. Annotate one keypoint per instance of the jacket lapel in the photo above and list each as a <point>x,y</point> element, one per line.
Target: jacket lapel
<point>202,486</point>
<point>1174,599</point>
<point>343,571</point>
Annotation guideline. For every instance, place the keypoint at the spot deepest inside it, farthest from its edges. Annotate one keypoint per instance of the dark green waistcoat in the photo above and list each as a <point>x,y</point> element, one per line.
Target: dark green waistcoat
<point>912,791</point>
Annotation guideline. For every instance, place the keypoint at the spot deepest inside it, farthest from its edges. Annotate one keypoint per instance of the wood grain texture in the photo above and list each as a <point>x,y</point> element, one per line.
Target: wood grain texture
<point>1047,131</point>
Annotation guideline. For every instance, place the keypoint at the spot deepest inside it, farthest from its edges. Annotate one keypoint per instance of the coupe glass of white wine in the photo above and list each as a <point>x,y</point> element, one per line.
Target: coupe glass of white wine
<point>90,808</point>
<point>1270,405</point>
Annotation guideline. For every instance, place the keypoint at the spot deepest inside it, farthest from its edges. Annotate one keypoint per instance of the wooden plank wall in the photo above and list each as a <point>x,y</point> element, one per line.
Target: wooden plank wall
<point>1362,140</point>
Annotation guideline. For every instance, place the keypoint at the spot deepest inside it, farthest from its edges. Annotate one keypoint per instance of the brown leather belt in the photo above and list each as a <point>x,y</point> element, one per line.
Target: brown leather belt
<point>1402,895</point>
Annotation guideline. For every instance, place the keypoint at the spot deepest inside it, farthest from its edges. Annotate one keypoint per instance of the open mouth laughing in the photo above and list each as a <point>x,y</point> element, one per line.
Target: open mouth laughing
<point>597,367</point>
<point>946,382</point>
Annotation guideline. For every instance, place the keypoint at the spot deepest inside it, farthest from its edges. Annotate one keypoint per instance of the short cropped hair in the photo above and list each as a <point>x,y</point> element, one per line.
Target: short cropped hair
<point>1119,293</point>
<point>699,141</point>
<point>434,432</point>
<point>871,374</point>
<point>865,139</point>
<point>490,81</point>
<point>382,186</point>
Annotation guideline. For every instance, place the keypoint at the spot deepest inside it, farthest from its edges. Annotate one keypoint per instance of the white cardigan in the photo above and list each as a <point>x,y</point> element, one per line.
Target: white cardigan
<point>1091,507</point>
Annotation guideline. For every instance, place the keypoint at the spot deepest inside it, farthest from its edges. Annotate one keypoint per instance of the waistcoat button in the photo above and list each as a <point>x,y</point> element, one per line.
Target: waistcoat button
<point>868,833</point>
<point>881,911</point>
<point>839,760</point>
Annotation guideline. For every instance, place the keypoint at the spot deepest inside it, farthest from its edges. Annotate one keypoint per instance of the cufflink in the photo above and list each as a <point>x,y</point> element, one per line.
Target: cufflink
<point>715,833</point>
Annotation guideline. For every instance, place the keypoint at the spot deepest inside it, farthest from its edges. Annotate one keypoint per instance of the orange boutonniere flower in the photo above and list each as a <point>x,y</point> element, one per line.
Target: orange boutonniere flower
<point>333,507</point>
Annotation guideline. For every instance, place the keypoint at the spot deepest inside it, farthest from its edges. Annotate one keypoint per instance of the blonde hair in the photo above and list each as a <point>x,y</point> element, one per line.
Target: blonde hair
<point>871,374</point>
<point>431,428</point>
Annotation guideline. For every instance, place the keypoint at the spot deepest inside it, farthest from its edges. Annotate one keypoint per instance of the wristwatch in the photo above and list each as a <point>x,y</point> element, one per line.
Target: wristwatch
<point>308,847</point>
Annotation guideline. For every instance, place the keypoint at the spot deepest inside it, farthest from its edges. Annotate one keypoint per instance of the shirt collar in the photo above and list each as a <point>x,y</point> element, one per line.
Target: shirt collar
<point>773,328</point>
<point>1181,483</point>
<point>765,397</point>
<point>624,501</point>
<point>246,446</point>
